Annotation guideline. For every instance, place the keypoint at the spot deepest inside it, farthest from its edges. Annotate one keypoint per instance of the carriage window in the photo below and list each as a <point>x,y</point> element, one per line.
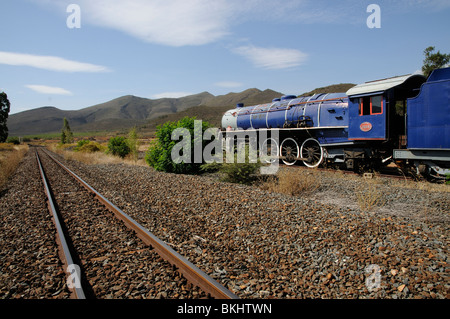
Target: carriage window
<point>364,105</point>
<point>376,104</point>
<point>371,105</point>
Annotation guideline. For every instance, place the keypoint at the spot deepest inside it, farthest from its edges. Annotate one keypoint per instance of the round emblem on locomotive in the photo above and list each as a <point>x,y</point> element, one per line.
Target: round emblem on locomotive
<point>365,127</point>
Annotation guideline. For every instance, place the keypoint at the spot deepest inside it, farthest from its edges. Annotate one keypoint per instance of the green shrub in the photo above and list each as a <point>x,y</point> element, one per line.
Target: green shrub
<point>91,147</point>
<point>118,146</point>
<point>447,179</point>
<point>133,143</point>
<point>240,171</point>
<point>159,154</point>
<point>80,144</point>
<point>13,140</point>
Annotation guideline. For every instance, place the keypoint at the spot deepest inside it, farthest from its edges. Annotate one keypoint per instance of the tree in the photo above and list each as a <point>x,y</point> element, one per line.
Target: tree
<point>433,61</point>
<point>159,155</point>
<point>133,143</point>
<point>4,112</point>
<point>66,133</point>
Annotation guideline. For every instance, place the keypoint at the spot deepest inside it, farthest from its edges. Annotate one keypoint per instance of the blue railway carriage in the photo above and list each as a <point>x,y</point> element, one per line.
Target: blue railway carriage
<point>427,147</point>
<point>403,118</point>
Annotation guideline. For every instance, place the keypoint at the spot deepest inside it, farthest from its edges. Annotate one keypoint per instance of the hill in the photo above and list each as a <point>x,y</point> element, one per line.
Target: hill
<point>214,108</point>
<point>120,113</point>
<point>127,111</point>
<point>334,88</point>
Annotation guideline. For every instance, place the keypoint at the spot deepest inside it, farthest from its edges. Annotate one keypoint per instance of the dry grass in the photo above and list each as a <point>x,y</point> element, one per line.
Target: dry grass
<point>370,196</point>
<point>93,158</point>
<point>422,185</point>
<point>10,157</point>
<point>292,182</point>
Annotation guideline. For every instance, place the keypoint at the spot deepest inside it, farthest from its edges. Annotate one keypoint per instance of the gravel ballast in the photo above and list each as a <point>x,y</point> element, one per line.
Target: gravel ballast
<point>260,244</point>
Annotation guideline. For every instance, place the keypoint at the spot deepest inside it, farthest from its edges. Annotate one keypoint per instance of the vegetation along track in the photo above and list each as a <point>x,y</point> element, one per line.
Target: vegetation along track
<point>111,261</point>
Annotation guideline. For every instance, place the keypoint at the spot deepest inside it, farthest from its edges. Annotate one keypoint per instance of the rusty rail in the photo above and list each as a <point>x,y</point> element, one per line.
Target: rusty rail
<point>66,256</point>
<point>191,272</point>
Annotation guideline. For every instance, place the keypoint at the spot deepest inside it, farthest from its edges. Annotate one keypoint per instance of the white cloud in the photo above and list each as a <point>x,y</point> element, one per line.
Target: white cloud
<point>44,89</point>
<point>51,63</point>
<point>228,84</point>
<point>170,95</point>
<point>197,22</point>
<point>272,58</point>
<point>173,23</point>
<point>177,22</point>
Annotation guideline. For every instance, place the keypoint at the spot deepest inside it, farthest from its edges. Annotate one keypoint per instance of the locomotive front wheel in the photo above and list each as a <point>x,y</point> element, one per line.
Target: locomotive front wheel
<point>312,151</point>
<point>269,147</point>
<point>289,151</point>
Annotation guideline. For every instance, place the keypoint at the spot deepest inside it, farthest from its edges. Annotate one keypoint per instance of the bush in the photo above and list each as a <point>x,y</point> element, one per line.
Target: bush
<point>91,147</point>
<point>133,143</point>
<point>13,140</point>
<point>159,154</point>
<point>240,171</point>
<point>80,144</point>
<point>118,146</point>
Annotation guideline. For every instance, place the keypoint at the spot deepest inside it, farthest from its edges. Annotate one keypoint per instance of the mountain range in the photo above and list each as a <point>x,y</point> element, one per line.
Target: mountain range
<point>128,111</point>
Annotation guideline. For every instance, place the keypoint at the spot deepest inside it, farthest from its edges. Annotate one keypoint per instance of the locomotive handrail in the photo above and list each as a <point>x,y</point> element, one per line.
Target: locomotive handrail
<point>288,107</point>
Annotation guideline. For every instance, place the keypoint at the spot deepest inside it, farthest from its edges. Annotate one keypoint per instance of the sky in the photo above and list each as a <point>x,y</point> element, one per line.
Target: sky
<point>78,53</point>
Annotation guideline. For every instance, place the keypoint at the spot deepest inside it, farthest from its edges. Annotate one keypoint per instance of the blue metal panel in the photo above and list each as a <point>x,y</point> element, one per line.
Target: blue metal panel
<point>296,109</point>
<point>439,74</point>
<point>259,115</point>
<point>243,119</point>
<point>334,113</point>
<point>429,114</point>
<point>332,136</point>
<point>294,113</point>
<point>312,112</point>
<point>366,127</point>
<point>276,115</point>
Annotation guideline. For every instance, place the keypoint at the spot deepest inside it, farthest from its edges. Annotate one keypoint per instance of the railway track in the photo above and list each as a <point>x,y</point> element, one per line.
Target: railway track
<point>106,253</point>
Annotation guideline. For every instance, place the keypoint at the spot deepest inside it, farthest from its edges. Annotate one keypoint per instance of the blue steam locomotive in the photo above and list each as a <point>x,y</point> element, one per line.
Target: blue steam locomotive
<point>403,119</point>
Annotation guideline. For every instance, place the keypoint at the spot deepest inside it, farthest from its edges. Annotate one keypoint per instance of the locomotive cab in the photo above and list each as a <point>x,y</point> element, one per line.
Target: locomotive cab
<point>378,108</point>
<point>377,117</point>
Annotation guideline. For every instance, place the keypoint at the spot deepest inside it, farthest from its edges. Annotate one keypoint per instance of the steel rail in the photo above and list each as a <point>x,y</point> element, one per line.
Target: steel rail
<point>191,272</point>
<point>61,239</point>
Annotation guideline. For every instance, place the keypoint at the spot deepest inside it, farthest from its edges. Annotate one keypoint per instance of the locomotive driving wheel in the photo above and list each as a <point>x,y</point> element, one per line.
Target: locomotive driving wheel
<point>289,151</point>
<point>269,151</point>
<point>312,152</point>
